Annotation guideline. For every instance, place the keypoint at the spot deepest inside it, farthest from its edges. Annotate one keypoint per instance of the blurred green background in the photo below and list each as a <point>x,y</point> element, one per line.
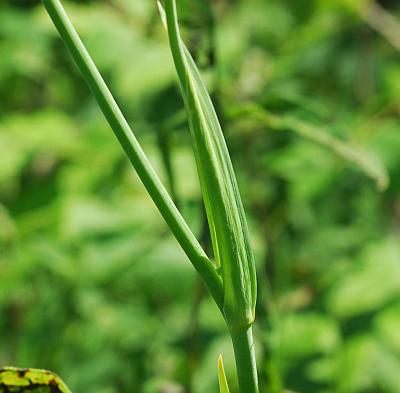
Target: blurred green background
<point>93,286</point>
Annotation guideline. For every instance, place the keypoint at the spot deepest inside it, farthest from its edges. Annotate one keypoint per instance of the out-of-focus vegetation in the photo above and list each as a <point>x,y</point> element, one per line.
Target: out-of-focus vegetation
<point>93,286</point>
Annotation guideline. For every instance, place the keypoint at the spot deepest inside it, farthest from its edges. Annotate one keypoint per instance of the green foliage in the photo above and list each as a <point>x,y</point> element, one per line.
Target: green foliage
<point>29,379</point>
<point>92,284</point>
<point>369,164</point>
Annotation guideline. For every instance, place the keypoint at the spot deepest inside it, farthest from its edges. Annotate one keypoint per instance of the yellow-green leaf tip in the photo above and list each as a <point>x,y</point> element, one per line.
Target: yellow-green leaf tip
<point>223,383</point>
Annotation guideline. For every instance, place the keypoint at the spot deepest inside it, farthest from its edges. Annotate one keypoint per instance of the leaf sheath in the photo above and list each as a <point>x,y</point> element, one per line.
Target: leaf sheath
<point>225,214</point>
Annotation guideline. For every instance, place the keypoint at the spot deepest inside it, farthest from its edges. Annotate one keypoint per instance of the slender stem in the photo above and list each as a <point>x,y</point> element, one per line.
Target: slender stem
<point>243,346</point>
<point>133,150</point>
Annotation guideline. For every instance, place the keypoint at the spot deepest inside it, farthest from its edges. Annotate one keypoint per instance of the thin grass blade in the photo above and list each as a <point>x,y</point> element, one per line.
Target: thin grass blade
<point>223,383</point>
<point>368,163</point>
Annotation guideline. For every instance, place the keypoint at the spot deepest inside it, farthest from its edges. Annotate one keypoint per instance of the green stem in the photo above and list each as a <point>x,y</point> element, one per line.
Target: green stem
<point>134,151</point>
<point>243,345</point>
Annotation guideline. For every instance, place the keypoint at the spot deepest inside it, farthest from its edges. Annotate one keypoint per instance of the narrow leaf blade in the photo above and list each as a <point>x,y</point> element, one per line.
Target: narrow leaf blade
<point>366,162</point>
<point>223,383</point>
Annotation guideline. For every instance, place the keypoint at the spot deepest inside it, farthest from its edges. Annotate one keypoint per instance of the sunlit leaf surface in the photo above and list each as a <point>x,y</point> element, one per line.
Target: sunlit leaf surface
<point>18,380</point>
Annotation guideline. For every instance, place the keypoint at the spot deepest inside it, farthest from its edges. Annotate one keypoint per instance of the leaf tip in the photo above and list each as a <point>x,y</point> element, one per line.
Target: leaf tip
<point>162,14</point>
<point>223,383</point>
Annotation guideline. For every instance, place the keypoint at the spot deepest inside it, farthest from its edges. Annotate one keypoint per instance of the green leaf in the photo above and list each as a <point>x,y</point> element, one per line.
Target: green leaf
<point>17,380</point>
<point>223,383</point>
<point>225,214</point>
